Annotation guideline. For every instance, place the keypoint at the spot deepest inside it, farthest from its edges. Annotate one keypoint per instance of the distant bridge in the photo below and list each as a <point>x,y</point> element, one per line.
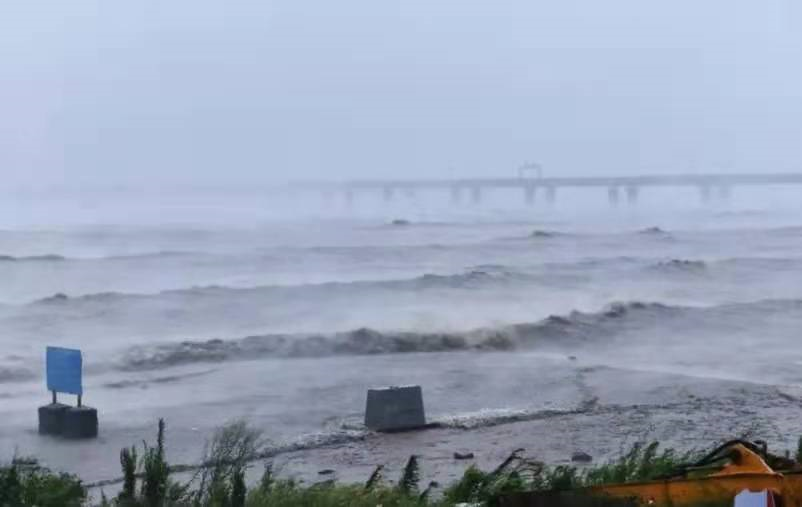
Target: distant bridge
<point>530,186</point>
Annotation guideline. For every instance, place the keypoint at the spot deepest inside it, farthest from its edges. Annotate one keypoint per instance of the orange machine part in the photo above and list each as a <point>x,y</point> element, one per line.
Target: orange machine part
<point>748,471</point>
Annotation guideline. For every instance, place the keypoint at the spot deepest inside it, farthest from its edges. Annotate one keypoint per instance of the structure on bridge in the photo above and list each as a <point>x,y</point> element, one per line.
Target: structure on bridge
<point>533,185</point>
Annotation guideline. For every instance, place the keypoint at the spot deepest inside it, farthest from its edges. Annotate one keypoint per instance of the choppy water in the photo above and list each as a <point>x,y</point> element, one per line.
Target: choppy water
<point>496,312</point>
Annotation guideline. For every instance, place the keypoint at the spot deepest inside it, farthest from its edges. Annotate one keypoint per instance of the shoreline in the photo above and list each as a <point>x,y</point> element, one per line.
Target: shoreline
<point>601,409</point>
<point>602,432</point>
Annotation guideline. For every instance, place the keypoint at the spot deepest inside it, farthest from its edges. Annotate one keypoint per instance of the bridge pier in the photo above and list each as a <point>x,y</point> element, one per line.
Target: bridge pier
<point>613,196</point>
<point>704,193</point>
<point>632,195</point>
<point>456,195</point>
<point>530,192</point>
<point>551,194</point>
<point>476,195</point>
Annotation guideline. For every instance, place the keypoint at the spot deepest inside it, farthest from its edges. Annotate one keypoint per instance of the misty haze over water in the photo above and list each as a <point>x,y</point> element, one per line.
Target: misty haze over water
<point>142,147</point>
<point>208,91</point>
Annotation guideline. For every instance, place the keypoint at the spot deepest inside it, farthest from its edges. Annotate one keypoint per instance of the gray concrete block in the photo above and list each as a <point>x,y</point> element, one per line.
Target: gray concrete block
<point>395,409</point>
<point>80,422</point>
<point>51,418</point>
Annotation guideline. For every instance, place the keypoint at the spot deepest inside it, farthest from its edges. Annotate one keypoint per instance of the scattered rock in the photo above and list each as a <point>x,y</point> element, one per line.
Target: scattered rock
<point>581,457</point>
<point>400,222</point>
<point>463,455</point>
<point>327,471</point>
<point>572,358</point>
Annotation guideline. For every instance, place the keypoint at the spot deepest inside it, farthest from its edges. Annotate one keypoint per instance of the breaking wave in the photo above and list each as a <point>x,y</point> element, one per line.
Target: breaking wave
<point>656,233</point>
<point>541,234</point>
<point>496,417</point>
<point>61,258</point>
<point>146,383</point>
<point>575,328</point>
<point>559,333</point>
<point>15,374</point>
<point>738,263</point>
<point>33,258</point>
<point>680,266</point>
<point>162,254</point>
<point>472,278</point>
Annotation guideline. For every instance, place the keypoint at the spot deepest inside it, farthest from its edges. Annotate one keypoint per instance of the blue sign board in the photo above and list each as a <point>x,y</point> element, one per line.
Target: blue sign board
<point>64,370</point>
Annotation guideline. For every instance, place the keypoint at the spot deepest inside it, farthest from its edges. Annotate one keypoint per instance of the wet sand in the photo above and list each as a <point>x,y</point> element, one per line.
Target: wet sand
<point>685,413</point>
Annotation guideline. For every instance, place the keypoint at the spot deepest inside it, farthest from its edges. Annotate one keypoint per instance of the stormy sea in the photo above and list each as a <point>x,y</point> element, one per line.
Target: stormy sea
<point>556,328</point>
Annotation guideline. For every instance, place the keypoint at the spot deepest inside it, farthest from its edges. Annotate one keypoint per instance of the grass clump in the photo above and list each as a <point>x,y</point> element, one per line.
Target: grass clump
<point>226,458</point>
<point>274,492</point>
<point>288,493</point>
<point>515,474</point>
<point>24,483</point>
<point>643,462</point>
<point>220,482</point>
<point>410,479</point>
<point>152,470</point>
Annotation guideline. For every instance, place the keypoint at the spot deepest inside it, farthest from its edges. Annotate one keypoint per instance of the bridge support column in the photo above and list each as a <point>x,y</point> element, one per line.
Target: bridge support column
<point>551,195</point>
<point>530,192</point>
<point>704,193</point>
<point>632,195</point>
<point>613,196</point>
<point>389,193</point>
<point>456,195</point>
<point>476,195</point>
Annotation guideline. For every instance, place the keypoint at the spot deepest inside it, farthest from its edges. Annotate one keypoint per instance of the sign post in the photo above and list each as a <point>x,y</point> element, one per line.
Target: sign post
<point>64,375</point>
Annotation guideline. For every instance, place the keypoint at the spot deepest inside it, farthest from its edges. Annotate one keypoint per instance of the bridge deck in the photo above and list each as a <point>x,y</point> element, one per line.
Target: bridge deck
<point>679,180</point>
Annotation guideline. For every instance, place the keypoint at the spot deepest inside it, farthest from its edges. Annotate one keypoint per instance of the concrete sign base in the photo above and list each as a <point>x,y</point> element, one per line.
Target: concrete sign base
<point>80,422</point>
<point>395,409</point>
<point>51,418</point>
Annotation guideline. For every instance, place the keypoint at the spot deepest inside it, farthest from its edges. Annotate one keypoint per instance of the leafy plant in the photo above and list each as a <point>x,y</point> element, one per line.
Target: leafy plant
<point>375,478</point>
<point>410,478</point>
<point>226,459</point>
<point>128,462</point>
<point>156,471</point>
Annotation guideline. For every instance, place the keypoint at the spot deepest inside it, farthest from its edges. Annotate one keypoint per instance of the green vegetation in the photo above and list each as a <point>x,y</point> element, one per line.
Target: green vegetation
<point>24,483</point>
<point>641,463</point>
<point>220,480</point>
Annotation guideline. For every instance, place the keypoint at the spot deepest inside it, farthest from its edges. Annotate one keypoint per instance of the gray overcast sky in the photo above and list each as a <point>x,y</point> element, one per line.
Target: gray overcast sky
<point>153,90</point>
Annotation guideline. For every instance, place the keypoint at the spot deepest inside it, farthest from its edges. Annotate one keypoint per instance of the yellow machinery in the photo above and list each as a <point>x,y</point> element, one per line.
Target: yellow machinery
<point>714,481</point>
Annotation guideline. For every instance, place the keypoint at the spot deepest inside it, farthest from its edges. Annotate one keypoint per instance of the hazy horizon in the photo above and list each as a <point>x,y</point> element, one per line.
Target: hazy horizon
<point>204,91</point>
